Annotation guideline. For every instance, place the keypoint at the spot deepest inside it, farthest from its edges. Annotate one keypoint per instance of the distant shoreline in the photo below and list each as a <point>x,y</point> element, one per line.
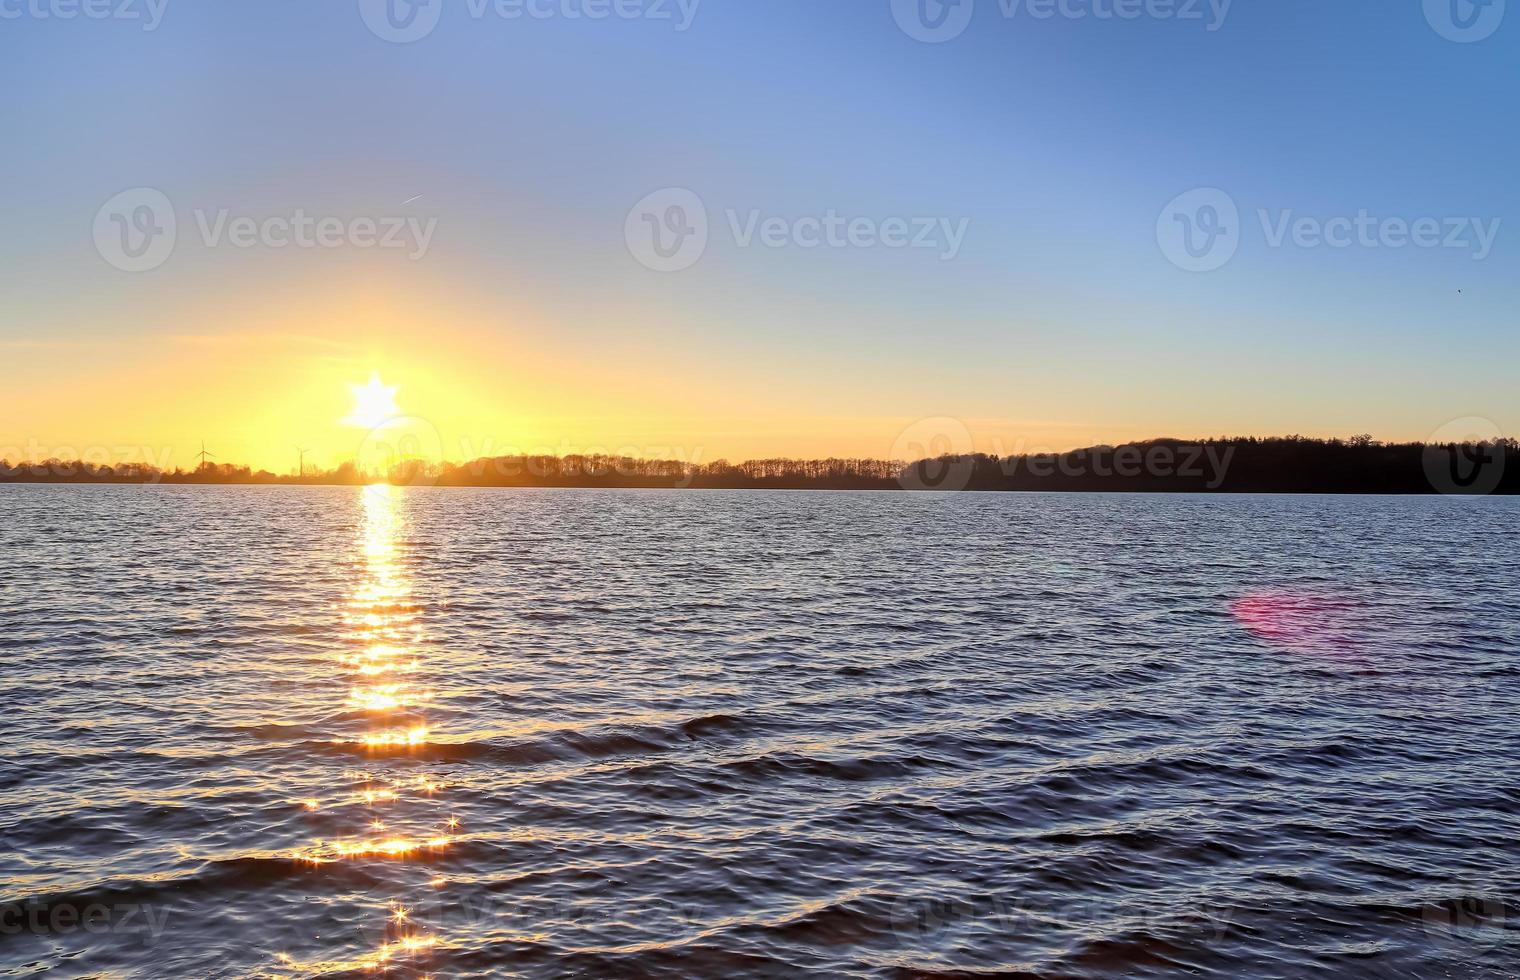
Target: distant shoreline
<point>1289,464</point>
<point>886,491</point>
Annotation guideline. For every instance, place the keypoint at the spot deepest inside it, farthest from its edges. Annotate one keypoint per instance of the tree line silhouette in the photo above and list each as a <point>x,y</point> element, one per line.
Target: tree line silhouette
<point>1285,464</point>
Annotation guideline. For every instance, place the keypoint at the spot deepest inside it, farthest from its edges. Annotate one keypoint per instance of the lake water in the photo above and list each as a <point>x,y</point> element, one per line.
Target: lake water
<point>461,733</point>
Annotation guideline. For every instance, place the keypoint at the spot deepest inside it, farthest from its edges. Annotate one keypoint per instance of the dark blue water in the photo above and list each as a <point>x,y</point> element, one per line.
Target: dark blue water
<point>458,733</point>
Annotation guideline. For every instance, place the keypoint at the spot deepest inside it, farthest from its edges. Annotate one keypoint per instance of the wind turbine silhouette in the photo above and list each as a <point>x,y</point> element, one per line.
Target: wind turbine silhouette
<point>204,456</point>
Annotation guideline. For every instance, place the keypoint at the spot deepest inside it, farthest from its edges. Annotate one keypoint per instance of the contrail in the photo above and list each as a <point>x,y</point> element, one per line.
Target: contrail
<point>410,200</point>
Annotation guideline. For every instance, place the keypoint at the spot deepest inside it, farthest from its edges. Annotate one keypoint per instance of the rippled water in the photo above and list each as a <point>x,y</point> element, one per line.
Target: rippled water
<point>455,733</point>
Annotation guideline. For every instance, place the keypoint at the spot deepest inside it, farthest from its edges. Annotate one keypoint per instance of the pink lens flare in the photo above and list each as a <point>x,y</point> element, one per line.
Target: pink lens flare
<point>1300,622</point>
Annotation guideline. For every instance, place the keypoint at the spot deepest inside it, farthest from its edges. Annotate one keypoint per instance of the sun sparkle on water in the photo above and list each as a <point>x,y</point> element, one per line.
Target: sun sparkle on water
<point>380,618</point>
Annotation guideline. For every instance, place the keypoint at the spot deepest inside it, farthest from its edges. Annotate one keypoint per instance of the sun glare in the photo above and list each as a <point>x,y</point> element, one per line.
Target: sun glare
<point>374,404</point>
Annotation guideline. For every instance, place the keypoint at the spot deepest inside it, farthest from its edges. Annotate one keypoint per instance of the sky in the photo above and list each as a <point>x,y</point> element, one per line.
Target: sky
<point>726,229</point>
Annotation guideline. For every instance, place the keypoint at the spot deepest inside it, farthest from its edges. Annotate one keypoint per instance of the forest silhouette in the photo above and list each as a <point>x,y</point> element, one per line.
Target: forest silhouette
<point>1287,464</point>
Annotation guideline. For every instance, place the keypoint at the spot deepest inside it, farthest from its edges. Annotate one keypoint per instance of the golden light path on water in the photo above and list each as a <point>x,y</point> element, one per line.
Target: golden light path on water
<point>397,814</point>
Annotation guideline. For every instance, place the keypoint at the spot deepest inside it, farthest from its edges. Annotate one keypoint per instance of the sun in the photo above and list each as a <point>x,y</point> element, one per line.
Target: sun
<point>374,403</point>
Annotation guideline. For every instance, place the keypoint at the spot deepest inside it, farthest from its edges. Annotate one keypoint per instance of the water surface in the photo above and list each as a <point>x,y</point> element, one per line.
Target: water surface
<point>471,733</point>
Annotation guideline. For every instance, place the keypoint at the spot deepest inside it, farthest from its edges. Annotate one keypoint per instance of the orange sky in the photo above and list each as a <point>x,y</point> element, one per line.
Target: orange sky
<point>256,375</point>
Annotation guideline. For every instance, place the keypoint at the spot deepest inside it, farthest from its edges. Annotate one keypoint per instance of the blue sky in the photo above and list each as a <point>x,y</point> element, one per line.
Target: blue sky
<point>1058,142</point>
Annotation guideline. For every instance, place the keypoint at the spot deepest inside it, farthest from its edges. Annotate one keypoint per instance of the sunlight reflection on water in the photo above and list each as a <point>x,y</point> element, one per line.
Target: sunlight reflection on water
<point>381,617</point>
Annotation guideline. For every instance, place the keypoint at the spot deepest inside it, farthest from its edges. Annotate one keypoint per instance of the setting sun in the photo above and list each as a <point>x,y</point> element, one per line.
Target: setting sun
<point>374,403</point>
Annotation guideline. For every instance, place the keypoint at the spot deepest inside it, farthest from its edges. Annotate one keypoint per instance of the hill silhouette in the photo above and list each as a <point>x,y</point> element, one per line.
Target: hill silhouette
<point>1287,464</point>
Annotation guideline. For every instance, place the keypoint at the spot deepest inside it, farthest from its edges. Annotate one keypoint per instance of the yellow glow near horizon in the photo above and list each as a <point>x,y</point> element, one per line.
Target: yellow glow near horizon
<point>487,376</point>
